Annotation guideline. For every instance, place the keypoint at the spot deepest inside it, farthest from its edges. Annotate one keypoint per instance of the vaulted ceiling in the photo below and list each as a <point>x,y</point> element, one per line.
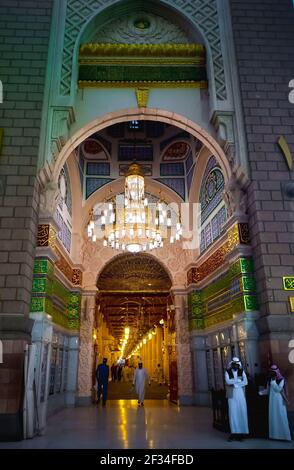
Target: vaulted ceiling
<point>134,273</point>
<point>133,292</point>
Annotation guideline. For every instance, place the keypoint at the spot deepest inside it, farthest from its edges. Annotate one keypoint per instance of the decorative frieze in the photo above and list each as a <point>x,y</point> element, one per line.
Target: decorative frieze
<point>232,293</point>
<point>51,297</point>
<point>74,275</point>
<point>197,274</point>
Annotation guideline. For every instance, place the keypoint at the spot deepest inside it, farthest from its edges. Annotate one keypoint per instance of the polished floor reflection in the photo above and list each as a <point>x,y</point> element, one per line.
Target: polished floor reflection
<point>121,424</point>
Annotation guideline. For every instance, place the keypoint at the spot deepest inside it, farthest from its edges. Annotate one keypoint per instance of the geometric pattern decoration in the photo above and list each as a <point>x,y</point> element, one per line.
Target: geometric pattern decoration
<point>64,233</point>
<point>176,184</point>
<point>213,229</point>
<point>96,168</point>
<point>92,184</point>
<point>129,151</point>
<point>172,169</point>
<point>203,13</point>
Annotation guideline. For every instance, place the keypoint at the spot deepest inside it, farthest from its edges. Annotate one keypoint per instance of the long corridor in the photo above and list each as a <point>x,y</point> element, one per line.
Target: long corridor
<point>122,425</point>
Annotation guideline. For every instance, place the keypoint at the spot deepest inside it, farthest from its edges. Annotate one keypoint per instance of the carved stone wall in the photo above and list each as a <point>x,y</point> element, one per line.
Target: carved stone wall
<point>203,13</point>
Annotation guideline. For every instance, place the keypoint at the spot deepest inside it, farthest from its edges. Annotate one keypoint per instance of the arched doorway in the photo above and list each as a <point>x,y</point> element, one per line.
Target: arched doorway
<point>134,296</point>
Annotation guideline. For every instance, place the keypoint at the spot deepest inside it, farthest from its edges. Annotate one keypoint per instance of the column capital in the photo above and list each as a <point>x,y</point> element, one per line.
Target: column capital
<point>178,290</point>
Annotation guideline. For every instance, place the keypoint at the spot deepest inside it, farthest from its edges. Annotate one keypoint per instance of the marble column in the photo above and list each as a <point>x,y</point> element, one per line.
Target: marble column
<point>72,372</point>
<point>86,352</point>
<point>184,358</point>
<point>201,394</point>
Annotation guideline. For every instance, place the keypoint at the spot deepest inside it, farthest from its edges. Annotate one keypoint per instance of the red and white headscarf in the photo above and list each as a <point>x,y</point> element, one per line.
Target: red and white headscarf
<point>279,377</point>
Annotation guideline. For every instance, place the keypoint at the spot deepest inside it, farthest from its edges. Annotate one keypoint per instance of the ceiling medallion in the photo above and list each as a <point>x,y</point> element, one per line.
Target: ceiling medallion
<point>131,222</point>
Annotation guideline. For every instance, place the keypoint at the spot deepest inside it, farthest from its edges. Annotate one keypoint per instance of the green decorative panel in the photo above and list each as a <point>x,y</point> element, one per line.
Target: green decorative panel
<point>246,265</point>
<point>125,73</point>
<point>43,266</point>
<point>195,303</point>
<point>39,284</point>
<point>215,288</point>
<point>59,291</point>
<point>37,304</point>
<point>229,295</point>
<point>241,266</point>
<point>218,318</point>
<point>288,282</point>
<point>248,284</point>
<point>237,305</point>
<point>74,308</point>
<point>51,297</point>
<point>59,317</point>
<point>250,302</point>
<point>196,324</point>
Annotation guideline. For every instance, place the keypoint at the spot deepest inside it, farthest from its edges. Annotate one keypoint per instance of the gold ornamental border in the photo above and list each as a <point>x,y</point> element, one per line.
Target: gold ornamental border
<point>144,50</point>
<point>171,61</point>
<point>135,84</point>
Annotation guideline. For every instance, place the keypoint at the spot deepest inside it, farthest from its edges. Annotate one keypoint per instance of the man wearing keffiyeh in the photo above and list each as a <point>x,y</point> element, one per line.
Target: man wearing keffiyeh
<point>236,382</point>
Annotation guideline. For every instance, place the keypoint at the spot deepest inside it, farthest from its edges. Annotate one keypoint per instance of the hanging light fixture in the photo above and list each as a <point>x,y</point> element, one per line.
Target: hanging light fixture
<point>131,222</point>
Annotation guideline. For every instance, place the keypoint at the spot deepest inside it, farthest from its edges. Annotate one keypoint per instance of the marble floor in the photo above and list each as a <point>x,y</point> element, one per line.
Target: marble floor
<point>122,425</point>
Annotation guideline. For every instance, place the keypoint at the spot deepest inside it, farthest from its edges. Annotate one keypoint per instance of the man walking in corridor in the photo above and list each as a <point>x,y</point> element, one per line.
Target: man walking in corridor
<point>140,378</point>
<point>102,375</point>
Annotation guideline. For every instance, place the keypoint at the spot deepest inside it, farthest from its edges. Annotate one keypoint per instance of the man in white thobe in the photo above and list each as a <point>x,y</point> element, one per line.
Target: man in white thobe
<point>141,377</point>
<point>236,382</point>
<point>159,374</point>
<point>278,419</point>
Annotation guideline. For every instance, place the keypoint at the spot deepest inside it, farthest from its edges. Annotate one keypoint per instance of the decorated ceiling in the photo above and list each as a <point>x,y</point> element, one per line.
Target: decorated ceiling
<point>165,152</point>
<point>134,293</point>
<point>134,273</point>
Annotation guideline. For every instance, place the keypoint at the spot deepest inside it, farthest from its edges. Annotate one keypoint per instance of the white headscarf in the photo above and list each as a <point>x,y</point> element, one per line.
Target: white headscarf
<point>235,360</point>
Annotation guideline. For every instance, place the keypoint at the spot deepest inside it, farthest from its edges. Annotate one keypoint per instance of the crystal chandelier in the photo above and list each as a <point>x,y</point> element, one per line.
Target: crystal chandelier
<point>131,222</point>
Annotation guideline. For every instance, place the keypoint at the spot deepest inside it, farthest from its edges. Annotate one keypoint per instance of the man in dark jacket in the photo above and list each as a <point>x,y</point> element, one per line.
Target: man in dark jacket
<point>102,375</point>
